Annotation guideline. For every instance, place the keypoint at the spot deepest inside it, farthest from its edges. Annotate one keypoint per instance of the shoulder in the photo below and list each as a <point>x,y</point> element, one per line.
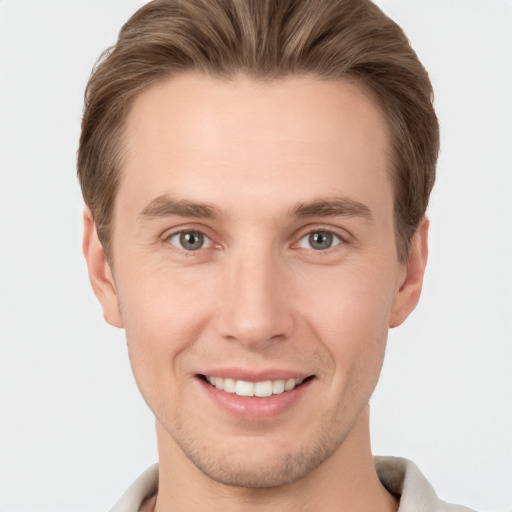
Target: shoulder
<point>139,492</point>
<point>402,478</point>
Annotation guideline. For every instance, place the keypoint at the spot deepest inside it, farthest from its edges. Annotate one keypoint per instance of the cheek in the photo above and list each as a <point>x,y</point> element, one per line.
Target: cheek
<point>163,316</point>
<point>353,298</point>
<point>165,302</point>
<point>349,312</point>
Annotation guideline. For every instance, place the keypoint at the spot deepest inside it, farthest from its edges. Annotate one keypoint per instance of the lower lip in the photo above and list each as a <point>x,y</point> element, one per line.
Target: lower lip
<point>256,408</point>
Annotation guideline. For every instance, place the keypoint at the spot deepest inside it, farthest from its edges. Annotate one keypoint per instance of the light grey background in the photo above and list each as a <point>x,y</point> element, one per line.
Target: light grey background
<point>74,431</point>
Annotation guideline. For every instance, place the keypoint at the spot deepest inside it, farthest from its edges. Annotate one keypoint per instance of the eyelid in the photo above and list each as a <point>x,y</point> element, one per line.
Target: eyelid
<point>337,240</point>
<point>206,240</point>
<point>342,234</point>
<point>171,233</point>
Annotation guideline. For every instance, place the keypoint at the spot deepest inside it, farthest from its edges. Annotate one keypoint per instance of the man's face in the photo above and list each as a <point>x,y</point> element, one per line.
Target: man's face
<point>254,248</point>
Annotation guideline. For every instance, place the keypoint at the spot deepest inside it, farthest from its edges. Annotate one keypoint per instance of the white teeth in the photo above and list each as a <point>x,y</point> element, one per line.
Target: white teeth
<point>263,388</point>
<point>289,384</point>
<point>260,389</point>
<point>229,386</point>
<point>278,387</point>
<point>244,388</point>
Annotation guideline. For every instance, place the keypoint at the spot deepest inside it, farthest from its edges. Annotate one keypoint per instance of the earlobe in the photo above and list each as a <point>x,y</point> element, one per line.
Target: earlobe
<point>409,290</point>
<point>100,274</point>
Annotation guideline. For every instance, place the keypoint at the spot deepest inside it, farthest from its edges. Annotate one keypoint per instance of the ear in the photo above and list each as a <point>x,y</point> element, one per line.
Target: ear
<point>100,274</point>
<point>409,291</point>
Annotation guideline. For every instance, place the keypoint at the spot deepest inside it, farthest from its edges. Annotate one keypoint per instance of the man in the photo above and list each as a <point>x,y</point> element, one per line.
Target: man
<point>256,175</point>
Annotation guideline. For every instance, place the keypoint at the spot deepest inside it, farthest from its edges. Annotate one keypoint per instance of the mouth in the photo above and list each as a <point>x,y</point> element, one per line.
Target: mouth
<point>259,389</point>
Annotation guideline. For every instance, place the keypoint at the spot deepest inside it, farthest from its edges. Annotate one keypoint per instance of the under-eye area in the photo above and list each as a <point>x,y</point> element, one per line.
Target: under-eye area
<point>255,389</point>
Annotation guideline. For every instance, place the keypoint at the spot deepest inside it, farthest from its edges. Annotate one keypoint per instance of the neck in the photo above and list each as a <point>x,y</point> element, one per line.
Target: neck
<point>345,481</point>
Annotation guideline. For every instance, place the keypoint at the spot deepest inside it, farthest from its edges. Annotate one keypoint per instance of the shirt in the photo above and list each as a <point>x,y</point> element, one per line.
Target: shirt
<point>400,477</point>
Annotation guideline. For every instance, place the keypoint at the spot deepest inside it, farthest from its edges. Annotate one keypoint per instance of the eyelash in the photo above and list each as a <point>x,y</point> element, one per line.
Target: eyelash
<point>337,239</point>
<point>206,240</point>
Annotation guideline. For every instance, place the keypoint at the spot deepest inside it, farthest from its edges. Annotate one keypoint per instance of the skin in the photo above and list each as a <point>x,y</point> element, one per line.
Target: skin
<point>257,295</point>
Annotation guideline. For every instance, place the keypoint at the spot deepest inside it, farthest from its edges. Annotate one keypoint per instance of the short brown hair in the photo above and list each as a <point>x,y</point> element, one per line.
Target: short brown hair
<point>264,39</point>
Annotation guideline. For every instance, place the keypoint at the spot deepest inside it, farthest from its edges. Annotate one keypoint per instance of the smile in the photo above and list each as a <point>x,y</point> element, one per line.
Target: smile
<point>257,389</point>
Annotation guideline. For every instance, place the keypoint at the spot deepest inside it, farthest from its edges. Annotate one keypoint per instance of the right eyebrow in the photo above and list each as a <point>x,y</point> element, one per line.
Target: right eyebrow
<point>168,206</point>
<point>332,207</point>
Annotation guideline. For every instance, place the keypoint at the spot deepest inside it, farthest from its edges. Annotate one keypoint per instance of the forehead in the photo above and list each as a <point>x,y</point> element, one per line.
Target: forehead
<point>244,139</point>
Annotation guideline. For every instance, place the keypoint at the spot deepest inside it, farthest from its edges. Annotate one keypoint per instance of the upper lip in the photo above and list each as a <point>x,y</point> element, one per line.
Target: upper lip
<point>255,376</point>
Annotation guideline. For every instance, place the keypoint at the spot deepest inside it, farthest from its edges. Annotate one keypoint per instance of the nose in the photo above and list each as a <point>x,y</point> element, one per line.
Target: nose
<point>255,309</point>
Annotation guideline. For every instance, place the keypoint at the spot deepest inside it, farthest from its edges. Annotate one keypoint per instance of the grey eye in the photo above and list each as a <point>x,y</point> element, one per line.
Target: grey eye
<point>319,240</point>
<point>189,240</point>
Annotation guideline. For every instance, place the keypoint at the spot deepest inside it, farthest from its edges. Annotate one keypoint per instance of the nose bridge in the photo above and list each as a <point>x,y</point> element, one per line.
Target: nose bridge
<point>254,308</point>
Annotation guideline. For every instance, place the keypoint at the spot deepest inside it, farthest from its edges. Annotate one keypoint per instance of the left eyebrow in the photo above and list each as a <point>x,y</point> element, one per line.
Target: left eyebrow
<point>166,206</point>
<point>332,207</point>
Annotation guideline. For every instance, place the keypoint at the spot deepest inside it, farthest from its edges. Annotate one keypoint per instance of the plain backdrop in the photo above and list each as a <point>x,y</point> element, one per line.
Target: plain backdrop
<point>74,431</point>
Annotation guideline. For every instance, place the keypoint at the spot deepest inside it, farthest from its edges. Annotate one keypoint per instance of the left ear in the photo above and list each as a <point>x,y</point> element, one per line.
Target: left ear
<point>408,294</point>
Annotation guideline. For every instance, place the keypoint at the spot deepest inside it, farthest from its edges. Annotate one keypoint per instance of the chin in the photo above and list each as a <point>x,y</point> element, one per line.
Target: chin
<point>279,472</point>
<point>256,466</point>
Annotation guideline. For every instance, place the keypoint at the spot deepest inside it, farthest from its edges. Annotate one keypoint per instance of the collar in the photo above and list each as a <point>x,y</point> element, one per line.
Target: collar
<point>400,477</point>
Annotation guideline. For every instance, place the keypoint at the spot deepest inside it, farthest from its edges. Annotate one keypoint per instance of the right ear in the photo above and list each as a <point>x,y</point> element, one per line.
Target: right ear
<point>100,274</point>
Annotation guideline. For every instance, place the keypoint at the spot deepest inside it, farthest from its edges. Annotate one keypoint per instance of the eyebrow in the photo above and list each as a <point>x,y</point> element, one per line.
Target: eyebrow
<point>167,206</point>
<point>332,207</point>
